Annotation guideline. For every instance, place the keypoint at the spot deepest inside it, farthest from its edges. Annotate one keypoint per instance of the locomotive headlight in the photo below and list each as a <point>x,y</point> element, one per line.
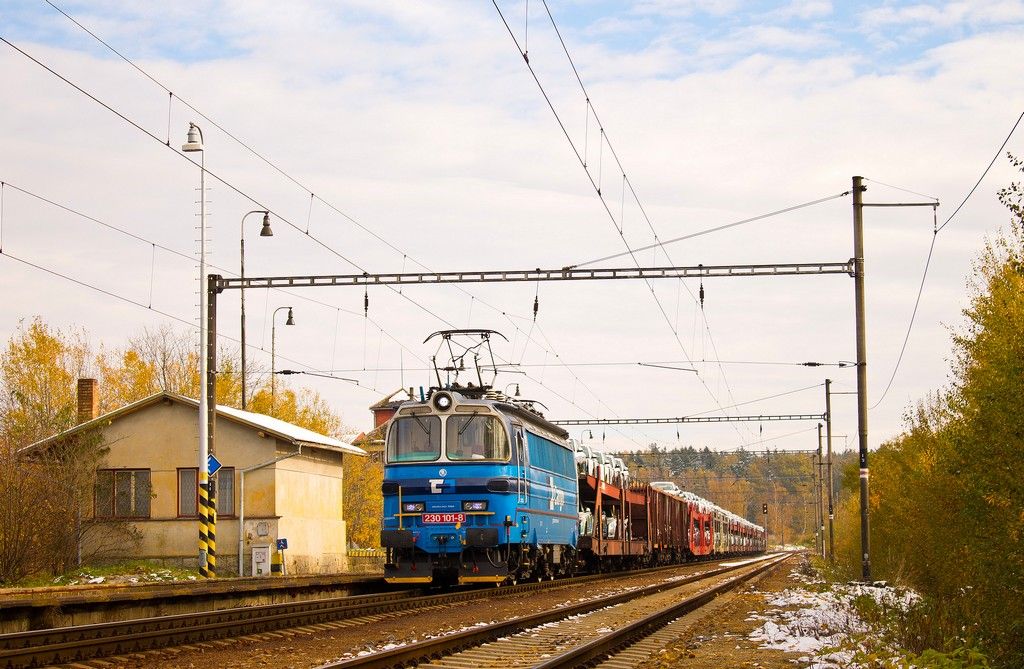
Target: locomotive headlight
<point>442,401</point>
<point>413,507</point>
<point>474,506</point>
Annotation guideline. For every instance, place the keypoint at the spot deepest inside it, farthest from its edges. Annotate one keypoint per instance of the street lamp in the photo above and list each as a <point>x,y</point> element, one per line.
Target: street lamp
<point>273,352</point>
<point>193,143</point>
<point>264,232</point>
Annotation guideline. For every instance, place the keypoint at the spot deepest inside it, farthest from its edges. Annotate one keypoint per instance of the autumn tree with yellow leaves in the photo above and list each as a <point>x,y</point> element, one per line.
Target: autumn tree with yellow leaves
<point>46,491</point>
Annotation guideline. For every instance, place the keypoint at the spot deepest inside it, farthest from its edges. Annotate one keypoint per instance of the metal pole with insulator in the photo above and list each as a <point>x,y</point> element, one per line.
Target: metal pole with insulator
<point>211,419</point>
<point>862,372</point>
<point>817,495</point>
<point>828,464</point>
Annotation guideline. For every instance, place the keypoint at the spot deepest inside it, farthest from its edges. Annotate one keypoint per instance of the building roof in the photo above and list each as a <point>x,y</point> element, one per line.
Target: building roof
<point>274,426</point>
<point>372,439</point>
<point>387,401</point>
<point>286,430</point>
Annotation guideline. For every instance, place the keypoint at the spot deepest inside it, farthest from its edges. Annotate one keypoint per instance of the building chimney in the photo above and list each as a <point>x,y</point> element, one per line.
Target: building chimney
<point>88,400</point>
<point>382,415</point>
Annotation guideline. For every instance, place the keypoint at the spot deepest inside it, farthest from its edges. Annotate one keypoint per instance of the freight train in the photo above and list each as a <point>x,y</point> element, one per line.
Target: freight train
<point>480,488</point>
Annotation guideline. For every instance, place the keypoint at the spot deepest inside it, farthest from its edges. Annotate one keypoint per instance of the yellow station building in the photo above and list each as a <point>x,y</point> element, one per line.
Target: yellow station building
<point>292,479</point>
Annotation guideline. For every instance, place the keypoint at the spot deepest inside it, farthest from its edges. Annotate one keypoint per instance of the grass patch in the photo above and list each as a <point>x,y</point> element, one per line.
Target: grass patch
<point>124,573</point>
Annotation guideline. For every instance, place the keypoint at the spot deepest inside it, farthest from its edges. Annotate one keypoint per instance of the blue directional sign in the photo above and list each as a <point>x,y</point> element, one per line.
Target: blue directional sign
<point>282,544</point>
<point>212,464</point>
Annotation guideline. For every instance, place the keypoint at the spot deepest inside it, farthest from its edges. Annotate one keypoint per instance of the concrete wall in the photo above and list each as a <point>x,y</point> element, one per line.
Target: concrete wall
<point>299,498</point>
<point>312,520</point>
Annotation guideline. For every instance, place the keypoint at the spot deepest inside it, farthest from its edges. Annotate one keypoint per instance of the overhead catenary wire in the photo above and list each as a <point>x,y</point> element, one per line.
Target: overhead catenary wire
<point>136,303</point>
<point>717,228</point>
<point>760,399</point>
<point>597,185</point>
<point>770,439</point>
<point>983,174</point>
<point>189,257</point>
<point>268,162</point>
<point>626,182</point>
<point>901,188</point>
<point>931,249</point>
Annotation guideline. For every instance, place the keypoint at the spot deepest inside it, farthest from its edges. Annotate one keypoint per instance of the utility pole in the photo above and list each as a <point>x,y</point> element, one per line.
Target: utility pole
<point>862,371</point>
<point>821,511</point>
<point>210,420</point>
<point>828,439</point>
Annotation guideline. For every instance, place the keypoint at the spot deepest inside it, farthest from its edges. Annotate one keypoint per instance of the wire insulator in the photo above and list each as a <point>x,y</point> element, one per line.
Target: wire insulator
<point>366,303</point>
<point>536,306</point>
<point>701,268</point>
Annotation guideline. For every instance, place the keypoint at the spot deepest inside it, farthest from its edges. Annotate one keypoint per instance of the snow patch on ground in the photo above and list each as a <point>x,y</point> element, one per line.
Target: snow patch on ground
<point>819,624</point>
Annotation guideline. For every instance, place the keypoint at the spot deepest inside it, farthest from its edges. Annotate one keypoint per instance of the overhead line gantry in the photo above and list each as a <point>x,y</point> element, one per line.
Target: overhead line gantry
<point>689,419</point>
<point>220,283</point>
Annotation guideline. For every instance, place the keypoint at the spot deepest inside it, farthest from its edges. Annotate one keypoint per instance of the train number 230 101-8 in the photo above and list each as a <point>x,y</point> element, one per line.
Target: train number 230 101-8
<point>444,518</point>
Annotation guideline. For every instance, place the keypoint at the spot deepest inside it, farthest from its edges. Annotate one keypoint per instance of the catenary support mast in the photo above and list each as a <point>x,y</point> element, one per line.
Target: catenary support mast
<point>862,371</point>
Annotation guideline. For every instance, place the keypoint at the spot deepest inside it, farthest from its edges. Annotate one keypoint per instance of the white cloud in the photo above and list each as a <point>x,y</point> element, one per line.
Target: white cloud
<point>945,15</point>
<point>753,39</point>
<point>805,10</point>
<point>685,8</point>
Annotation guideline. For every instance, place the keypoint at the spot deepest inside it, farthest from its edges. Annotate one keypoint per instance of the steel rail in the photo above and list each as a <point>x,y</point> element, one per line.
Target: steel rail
<point>431,649</point>
<point>629,634</point>
<point>55,635</point>
<point>76,643</point>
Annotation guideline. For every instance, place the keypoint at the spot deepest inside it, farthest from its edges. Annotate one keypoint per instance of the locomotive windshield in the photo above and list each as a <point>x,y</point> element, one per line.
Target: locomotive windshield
<point>476,437</point>
<point>415,439</point>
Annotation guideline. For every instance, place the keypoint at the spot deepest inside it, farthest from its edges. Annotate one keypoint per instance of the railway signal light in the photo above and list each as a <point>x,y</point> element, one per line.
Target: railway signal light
<point>764,509</point>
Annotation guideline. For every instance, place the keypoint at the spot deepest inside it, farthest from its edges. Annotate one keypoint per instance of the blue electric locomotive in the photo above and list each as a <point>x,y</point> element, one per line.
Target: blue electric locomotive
<point>478,488</point>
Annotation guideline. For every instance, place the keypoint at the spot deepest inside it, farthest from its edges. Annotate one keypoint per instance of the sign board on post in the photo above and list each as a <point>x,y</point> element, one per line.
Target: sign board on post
<point>212,464</point>
<point>282,545</point>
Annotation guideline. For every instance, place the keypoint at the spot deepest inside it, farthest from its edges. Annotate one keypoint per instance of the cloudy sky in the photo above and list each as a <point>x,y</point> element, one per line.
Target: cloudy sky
<point>426,143</point>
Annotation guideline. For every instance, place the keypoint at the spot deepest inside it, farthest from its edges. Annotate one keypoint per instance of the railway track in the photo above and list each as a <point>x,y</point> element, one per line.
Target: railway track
<point>74,644</point>
<point>599,629</point>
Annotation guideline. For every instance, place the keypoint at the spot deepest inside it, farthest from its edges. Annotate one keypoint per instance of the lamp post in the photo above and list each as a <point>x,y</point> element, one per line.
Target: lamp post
<point>194,143</point>
<point>273,352</point>
<point>264,232</point>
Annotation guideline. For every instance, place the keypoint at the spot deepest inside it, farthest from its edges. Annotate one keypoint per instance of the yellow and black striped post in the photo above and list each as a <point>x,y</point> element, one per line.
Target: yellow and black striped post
<point>211,530</point>
<point>203,537</point>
